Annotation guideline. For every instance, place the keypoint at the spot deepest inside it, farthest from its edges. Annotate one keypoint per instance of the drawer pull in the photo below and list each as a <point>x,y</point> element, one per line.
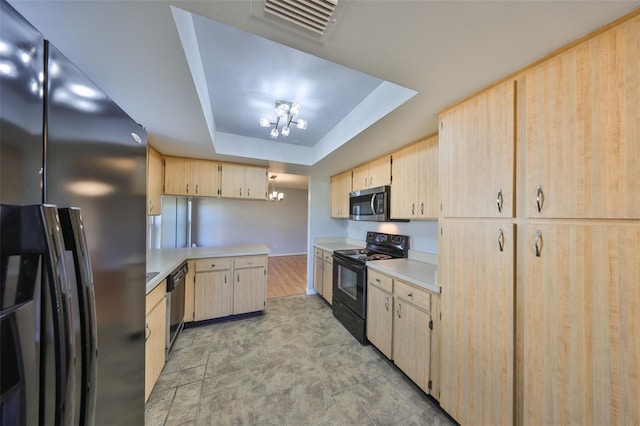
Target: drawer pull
<point>501,239</point>
<point>538,243</point>
<point>213,265</point>
<point>539,198</point>
<point>146,337</point>
<point>499,201</point>
<point>378,280</point>
<point>410,294</point>
<point>386,303</point>
<point>399,309</point>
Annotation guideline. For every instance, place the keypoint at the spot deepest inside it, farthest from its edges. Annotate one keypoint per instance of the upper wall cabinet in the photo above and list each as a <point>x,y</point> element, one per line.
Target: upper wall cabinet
<point>340,189</point>
<point>186,176</point>
<point>477,155</point>
<point>155,181</point>
<point>240,181</point>
<point>582,131</point>
<point>373,174</point>
<point>415,181</point>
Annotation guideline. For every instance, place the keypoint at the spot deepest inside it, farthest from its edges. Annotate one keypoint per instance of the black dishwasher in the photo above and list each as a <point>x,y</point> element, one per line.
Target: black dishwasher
<point>175,304</point>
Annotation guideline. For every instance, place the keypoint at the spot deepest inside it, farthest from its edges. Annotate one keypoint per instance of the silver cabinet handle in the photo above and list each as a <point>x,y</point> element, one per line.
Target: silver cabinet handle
<point>241,192</point>
<point>422,208</point>
<point>187,188</point>
<point>499,201</point>
<point>197,188</point>
<point>538,244</point>
<point>238,277</point>
<point>500,239</point>
<point>413,208</point>
<point>248,192</point>
<point>410,294</point>
<point>539,198</point>
<point>399,309</point>
<point>386,303</point>
<point>213,265</point>
<point>150,205</point>
<point>147,335</point>
<point>225,278</point>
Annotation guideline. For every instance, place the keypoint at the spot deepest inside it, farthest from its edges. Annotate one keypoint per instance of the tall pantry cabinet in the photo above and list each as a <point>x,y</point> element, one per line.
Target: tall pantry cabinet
<point>540,269</point>
<point>580,342</point>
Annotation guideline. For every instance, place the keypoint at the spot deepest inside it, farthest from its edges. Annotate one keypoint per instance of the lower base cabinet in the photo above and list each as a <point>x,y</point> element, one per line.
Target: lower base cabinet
<point>155,336</point>
<point>400,324</point>
<point>226,286</point>
<point>323,273</point>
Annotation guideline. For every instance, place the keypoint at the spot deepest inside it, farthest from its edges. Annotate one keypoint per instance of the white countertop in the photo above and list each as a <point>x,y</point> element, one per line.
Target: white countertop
<point>164,261</point>
<point>422,274</point>
<point>331,246</point>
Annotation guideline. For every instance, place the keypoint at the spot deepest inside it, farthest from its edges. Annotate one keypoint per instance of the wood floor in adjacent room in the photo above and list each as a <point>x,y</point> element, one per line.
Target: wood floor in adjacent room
<point>287,275</point>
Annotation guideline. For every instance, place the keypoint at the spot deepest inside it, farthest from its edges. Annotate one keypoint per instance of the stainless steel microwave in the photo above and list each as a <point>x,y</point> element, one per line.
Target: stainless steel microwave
<point>370,204</point>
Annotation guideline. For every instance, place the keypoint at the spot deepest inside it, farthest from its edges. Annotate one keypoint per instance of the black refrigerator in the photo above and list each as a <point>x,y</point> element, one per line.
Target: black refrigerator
<point>72,233</point>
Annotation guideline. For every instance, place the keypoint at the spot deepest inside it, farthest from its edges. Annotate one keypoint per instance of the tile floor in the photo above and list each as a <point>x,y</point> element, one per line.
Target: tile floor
<point>294,365</point>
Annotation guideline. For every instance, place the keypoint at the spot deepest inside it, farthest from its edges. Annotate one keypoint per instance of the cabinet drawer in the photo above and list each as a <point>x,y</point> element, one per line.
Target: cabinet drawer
<point>213,264</point>
<point>384,282</point>
<point>420,298</point>
<point>249,261</point>
<point>156,295</point>
<point>328,256</point>
<point>317,252</point>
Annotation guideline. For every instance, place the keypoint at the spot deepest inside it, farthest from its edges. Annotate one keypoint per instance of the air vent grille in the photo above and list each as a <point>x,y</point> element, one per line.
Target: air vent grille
<point>312,15</point>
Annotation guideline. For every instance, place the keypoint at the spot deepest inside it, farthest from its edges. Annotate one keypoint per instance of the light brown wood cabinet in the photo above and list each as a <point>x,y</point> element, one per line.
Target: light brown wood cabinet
<point>582,132</point>
<point>191,177</point>
<point>323,273</point>
<point>477,272</point>
<point>250,286</point>
<point>341,185</point>
<point>400,325</point>
<point>476,152</point>
<point>213,288</point>
<point>189,292</point>
<point>155,181</point>
<point>226,286</point>
<point>241,181</point>
<point>372,174</point>
<point>414,193</point>
<point>155,336</point>
<point>380,312</point>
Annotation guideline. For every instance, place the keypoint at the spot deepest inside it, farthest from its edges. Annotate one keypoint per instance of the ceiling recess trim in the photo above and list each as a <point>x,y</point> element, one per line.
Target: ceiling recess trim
<point>312,15</point>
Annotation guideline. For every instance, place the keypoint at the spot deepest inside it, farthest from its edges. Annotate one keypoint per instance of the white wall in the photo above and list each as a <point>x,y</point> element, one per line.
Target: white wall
<point>281,225</point>
<point>423,233</point>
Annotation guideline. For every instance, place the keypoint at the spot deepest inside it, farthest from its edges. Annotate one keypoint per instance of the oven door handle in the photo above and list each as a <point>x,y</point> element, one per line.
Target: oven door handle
<point>349,265</point>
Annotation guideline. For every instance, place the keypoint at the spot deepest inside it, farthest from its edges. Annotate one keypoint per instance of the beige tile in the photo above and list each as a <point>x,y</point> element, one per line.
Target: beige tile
<point>157,407</point>
<point>351,409</point>
<point>185,404</point>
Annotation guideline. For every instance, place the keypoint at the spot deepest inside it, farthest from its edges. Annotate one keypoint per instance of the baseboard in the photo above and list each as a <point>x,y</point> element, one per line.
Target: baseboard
<point>311,291</point>
<point>288,254</point>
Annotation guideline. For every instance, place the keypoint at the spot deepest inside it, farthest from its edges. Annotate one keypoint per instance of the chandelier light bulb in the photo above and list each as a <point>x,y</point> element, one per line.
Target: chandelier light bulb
<point>285,131</point>
<point>264,122</point>
<point>285,111</point>
<point>295,108</point>
<point>274,133</point>
<point>301,124</point>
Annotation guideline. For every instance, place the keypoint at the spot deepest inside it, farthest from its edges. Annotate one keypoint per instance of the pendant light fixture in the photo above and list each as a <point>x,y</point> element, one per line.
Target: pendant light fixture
<point>274,195</point>
<point>285,111</point>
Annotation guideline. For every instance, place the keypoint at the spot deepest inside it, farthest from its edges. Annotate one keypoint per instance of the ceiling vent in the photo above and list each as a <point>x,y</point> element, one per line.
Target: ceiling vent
<point>312,15</point>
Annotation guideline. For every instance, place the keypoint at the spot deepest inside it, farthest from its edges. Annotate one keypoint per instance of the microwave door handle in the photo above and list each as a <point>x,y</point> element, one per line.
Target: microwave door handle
<point>76,241</point>
<point>63,321</point>
<point>373,204</point>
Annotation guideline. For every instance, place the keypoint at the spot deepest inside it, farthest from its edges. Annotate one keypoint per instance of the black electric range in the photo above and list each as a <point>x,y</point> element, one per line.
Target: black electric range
<point>350,278</point>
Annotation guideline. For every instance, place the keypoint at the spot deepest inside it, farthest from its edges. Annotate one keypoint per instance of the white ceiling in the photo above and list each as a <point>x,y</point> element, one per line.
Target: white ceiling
<point>444,50</point>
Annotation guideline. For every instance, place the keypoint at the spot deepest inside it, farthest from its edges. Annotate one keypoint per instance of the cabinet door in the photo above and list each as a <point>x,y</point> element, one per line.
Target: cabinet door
<point>177,176</point>
<point>411,342</point>
<point>380,318</point>
<point>361,177</point>
<point>205,178</point>
<point>327,281</point>
<point>581,329</point>
<point>428,199</point>
<point>582,132</point>
<point>213,295</point>
<point>317,274</point>
<point>380,172</point>
<point>155,344</point>
<point>477,327</point>
<point>340,189</point>
<point>232,180</point>
<point>155,181</point>
<point>405,183</point>
<point>250,290</point>
<point>256,181</point>
<point>477,155</point>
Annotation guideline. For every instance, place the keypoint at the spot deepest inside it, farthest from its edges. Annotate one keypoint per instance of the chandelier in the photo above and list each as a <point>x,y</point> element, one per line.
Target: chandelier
<point>285,112</point>
<point>273,193</point>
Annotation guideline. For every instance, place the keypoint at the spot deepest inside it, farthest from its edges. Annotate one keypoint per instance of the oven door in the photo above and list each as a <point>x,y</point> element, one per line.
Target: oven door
<point>349,284</point>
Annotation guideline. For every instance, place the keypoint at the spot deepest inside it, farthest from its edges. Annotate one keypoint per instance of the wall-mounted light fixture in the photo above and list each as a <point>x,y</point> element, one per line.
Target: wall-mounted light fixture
<point>285,111</point>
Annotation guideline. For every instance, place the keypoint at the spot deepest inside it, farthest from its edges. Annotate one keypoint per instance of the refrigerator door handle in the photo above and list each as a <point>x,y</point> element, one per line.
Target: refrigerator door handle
<point>75,241</point>
<point>63,320</point>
